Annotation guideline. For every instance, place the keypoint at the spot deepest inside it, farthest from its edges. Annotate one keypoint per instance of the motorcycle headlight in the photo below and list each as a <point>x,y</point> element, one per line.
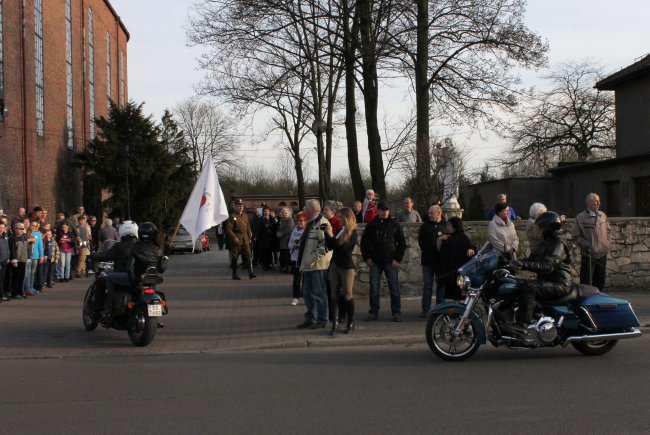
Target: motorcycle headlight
<point>462,281</point>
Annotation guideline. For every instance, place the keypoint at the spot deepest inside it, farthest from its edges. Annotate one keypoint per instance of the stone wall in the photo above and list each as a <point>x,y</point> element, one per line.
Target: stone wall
<point>628,265</point>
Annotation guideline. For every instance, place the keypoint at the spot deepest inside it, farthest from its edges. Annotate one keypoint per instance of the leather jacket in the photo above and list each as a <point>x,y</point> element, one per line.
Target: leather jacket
<point>551,261</point>
<point>383,241</point>
<point>121,255</point>
<point>146,254</point>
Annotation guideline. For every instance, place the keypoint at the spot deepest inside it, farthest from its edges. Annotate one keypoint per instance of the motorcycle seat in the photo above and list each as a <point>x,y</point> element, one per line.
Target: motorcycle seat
<point>577,290</point>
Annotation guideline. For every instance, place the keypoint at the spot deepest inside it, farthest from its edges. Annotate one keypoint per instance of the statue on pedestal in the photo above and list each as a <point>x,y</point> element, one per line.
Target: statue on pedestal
<point>450,177</point>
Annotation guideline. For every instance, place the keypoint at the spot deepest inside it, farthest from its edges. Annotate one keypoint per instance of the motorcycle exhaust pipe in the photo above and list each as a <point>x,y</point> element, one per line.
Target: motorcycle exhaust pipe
<point>599,337</point>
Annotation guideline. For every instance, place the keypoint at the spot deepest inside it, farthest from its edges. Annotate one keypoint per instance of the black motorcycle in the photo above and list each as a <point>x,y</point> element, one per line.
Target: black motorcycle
<point>135,310</point>
<point>591,321</point>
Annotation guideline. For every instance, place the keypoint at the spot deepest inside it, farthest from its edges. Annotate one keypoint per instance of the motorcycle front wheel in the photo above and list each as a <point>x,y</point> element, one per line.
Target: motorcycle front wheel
<point>143,328</point>
<point>88,316</point>
<point>445,343</point>
<point>594,348</point>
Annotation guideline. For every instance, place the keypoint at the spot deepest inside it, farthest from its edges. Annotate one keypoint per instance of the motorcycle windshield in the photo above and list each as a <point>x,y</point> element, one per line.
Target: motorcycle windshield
<point>478,268</point>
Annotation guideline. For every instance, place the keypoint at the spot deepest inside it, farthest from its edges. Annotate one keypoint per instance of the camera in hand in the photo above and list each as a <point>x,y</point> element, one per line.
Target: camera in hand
<point>323,226</point>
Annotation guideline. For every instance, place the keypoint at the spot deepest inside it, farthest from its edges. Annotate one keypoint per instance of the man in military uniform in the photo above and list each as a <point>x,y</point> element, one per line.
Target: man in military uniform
<point>239,233</point>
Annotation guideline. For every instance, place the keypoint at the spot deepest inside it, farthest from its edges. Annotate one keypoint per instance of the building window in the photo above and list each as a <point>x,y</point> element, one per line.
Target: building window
<point>122,78</point>
<point>38,45</point>
<point>108,72</point>
<point>91,75</point>
<point>68,73</point>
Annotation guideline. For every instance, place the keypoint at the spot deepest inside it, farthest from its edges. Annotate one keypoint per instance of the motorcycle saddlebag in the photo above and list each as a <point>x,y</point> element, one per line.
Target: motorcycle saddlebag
<point>608,312</point>
<point>120,300</point>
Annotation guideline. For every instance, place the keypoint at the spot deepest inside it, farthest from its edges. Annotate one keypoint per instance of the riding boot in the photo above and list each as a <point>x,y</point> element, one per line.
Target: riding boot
<point>251,274</point>
<point>350,312</point>
<point>342,305</point>
<point>335,320</point>
<point>233,266</point>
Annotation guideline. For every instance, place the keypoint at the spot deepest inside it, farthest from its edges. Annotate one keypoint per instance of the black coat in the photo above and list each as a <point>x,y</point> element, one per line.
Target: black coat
<point>342,255</point>
<point>453,254</point>
<point>383,241</point>
<point>266,230</point>
<point>120,254</point>
<point>427,239</point>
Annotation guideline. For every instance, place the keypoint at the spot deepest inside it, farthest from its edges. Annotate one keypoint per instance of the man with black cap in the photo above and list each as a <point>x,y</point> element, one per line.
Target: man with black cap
<point>382,247</point>
<point>240,235</point>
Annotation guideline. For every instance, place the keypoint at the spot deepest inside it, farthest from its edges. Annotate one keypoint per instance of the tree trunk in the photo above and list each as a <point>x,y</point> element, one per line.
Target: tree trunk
<point>423,157</point>
<point>349,50</point>
<point>371,97</point>
<point>300,181</point>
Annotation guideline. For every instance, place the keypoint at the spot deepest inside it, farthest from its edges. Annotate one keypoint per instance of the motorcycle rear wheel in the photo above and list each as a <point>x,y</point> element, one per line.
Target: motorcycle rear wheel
<point>87,315</point>
<point>143,328</point>
<point>442,342</point>
<point>594,348</point>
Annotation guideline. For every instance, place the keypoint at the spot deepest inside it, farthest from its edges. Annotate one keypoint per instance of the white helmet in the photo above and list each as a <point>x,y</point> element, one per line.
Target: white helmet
<point>128,228</point>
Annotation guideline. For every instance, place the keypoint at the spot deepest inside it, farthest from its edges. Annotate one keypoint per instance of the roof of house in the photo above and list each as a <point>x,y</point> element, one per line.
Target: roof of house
<point>637,69</point>
<point>578,166</point>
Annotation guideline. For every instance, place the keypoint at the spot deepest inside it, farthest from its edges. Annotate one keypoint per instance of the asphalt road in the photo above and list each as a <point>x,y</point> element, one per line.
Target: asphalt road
<point>56,378</point>
<point>399,389</point>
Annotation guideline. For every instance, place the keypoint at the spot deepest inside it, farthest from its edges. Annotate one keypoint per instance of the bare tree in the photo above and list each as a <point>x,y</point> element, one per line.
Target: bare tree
<point>570,120</point>
<point>207,131</point>
<point>460,55</point>
<point>279,56</point>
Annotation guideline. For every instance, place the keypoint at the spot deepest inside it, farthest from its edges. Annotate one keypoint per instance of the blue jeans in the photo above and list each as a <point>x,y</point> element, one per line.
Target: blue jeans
<point>64,261</point>
<point>428,274</point>
<point>393,286</point>
<point>30,275</point>
<point>315,296</point>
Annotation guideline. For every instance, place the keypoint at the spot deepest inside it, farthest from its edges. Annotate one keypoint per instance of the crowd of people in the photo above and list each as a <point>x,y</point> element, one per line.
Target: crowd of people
<point>317,245</point>
<point>36,253</point>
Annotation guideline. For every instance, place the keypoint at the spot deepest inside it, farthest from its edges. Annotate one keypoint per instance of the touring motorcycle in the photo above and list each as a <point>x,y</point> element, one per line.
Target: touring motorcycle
<point>591,321</point>
<point>133,309</point>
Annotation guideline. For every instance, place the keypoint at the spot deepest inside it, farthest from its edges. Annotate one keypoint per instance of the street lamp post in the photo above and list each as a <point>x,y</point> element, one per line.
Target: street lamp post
<point>318,128</point>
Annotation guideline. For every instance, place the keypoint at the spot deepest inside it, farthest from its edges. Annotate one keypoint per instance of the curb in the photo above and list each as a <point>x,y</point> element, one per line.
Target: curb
<point>338,341</point>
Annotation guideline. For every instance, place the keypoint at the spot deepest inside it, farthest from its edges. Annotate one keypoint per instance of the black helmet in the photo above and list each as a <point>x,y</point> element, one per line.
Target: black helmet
<point>548,222</point>
<point>147,231</point>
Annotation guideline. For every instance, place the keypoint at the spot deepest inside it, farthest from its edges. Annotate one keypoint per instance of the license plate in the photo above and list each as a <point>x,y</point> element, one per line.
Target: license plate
<point>155,310</point>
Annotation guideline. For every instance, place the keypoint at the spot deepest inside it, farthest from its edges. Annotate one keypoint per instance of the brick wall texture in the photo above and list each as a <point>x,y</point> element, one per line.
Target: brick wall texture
<point>39,169</point>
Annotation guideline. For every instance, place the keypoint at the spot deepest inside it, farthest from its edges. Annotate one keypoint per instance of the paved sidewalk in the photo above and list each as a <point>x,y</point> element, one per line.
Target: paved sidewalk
<point>209,312</point>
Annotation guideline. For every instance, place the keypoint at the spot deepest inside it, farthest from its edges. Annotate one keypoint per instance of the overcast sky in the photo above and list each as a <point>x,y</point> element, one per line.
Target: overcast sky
<point>163,70</point>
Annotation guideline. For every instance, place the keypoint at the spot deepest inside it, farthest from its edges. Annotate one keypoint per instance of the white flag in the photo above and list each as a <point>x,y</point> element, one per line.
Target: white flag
<point>206,206</point>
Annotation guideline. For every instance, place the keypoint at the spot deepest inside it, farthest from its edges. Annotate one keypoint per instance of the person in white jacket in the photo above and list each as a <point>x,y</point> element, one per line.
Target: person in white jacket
<point>314,260</point>
<point>294,247</point>
<point>501,232</point>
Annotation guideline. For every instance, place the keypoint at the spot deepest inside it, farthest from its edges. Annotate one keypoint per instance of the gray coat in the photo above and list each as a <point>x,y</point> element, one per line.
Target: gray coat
<point>285,227</point>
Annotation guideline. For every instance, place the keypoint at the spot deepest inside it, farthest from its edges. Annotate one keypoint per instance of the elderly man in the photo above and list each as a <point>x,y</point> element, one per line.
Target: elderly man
<point>357,208</point>
<point>108,232</point>
<point>428,235</point>
<point>408,214</point>
<point>314,260</point>
<point>502,198</point>
<point>591,234</point>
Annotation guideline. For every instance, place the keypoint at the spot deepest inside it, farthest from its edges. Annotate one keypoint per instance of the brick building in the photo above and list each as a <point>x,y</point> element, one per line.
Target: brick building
<point>60,62</point>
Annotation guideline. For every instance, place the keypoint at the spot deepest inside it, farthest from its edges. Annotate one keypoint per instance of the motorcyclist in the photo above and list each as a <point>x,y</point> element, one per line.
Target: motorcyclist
<point>551,261</point>
<point>123,261</point>
<point>146,252</point>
